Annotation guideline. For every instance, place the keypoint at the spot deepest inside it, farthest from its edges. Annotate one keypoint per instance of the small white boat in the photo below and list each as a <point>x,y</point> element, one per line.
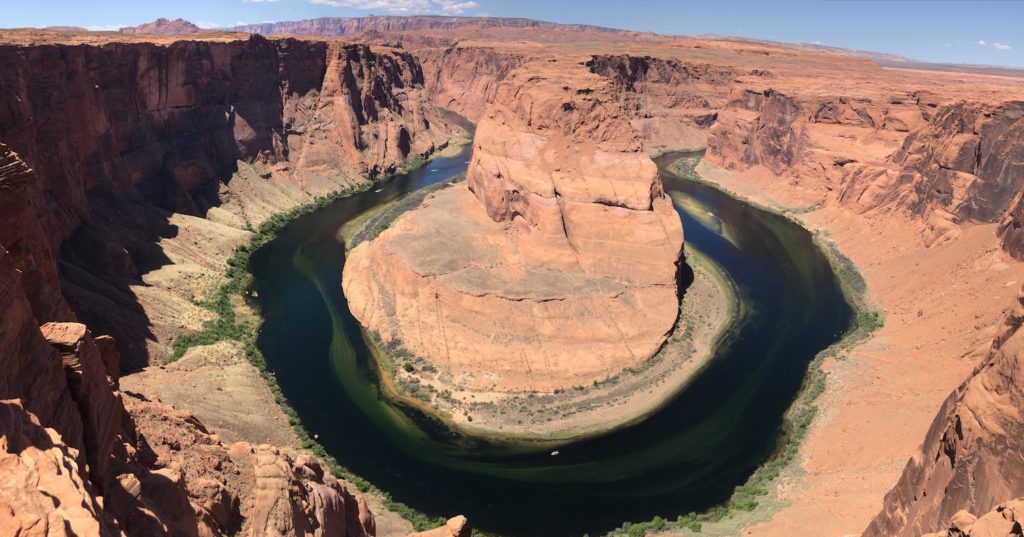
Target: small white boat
<point>554,453</point>
<point>378,190</point>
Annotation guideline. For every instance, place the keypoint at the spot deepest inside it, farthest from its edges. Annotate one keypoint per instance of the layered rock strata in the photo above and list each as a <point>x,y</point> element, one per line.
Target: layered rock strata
<point>554,265</point>
<point>118,134</point>
<point>129,171</point>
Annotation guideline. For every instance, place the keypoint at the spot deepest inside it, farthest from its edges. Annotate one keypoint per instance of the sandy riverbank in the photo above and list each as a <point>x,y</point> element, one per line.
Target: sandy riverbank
<point>710,310</point>
<point>216,382</point>
<point>941,302</point>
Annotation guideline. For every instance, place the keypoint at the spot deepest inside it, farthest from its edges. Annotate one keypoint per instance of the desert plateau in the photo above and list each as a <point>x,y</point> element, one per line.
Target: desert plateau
<point>443,268</point>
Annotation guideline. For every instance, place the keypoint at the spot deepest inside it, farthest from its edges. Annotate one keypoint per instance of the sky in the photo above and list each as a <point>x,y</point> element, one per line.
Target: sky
<point>987,32</point>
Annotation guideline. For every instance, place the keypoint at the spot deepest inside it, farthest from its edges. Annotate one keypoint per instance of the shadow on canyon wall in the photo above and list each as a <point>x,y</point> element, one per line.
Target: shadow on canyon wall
<point>113,139</point>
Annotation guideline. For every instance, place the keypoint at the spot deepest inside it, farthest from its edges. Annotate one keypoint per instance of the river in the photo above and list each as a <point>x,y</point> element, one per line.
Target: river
<point>686,457</point>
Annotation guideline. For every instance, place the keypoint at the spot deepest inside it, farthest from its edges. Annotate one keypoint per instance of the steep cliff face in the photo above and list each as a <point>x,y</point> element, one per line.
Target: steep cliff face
<point>946,162</point>
<point>466,79</point>
<point>164,27</point>
<point>808,138</point>
<point>126,160</point>
<point>671,103</point>
<point>117,134</point>
<point>970,459</point>
<point>565,239</point>
<point>967,162</point>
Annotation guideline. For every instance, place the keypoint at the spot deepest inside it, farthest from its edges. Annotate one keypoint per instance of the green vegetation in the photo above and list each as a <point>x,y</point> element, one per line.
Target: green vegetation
<point>748,497</point>
<point>382,221</point>
<point>227,327</point>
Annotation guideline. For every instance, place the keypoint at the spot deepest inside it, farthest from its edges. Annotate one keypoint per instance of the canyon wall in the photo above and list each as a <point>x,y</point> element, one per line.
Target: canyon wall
<point>671,103</point>
<point>128,173</point>
<point>121,133</point>
<point>970,460</point>
<point>555,264</point>
<point>465,80</point>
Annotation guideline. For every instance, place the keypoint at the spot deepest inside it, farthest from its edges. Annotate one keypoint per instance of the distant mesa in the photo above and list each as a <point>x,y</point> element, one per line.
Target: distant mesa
<point>164,27</point>
<point>345,26</point>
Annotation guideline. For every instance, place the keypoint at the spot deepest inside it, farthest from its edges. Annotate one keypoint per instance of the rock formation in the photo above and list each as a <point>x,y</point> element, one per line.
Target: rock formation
<point>76,454</point>
<point>455,527</point>
<point>970,459</point>
<point>1003,521</point>
<point>669,102</point>
<point>43,491</point>
<point>126,127</point>
<point>555,265</point>
<point>98,145</point>
<point>164,27</point>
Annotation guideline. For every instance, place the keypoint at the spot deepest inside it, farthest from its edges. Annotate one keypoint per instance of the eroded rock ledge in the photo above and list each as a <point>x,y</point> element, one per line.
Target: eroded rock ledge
<point>556,267</point>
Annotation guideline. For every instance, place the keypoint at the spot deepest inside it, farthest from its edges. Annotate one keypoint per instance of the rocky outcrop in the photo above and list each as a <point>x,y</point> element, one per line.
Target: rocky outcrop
<point>970,458</point>
<point>43,491</point>
<point>95,394</point>
<point>967,162</point>
<point>455,527</point>
<point>568,249</point>
<point>1003,521</point>
<point>104,465</point>
<point>244,489</point>
<point>127,131</point>
<point>164,27</point>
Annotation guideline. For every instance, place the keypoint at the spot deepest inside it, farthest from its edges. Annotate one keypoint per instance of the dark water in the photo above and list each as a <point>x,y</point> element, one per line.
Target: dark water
<point>686,457</point>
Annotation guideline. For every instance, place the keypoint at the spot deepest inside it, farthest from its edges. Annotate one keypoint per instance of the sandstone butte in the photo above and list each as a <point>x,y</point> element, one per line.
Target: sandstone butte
<point>127,177</point>
<point>554,265</point>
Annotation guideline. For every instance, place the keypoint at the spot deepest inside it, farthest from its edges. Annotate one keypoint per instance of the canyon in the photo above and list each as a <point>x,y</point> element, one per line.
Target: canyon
<point>132,166</point>
<point>130,172</point>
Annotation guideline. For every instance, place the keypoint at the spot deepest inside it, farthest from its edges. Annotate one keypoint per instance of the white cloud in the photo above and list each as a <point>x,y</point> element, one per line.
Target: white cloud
<point>982,42</point>
<point>259,1</point>
<point>446,7</point>
<point>106,27</point>
<point>206,25</point>
<point>1002,46</point>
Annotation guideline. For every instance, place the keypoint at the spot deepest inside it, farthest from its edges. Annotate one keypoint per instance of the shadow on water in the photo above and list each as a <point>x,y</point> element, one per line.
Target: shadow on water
<point>686,457</point>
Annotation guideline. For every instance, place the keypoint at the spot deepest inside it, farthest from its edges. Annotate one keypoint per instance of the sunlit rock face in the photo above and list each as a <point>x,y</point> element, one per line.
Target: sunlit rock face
<point>555,263</point>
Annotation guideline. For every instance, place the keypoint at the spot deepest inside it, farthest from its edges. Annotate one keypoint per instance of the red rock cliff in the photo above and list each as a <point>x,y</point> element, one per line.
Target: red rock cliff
<point>97,145</point>
<point>970,459</point>
<point>566,247</point>
<point>112,130</point>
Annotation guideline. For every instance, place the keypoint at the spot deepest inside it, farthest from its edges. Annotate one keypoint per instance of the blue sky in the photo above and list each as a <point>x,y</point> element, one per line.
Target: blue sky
<point>984,32</point>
